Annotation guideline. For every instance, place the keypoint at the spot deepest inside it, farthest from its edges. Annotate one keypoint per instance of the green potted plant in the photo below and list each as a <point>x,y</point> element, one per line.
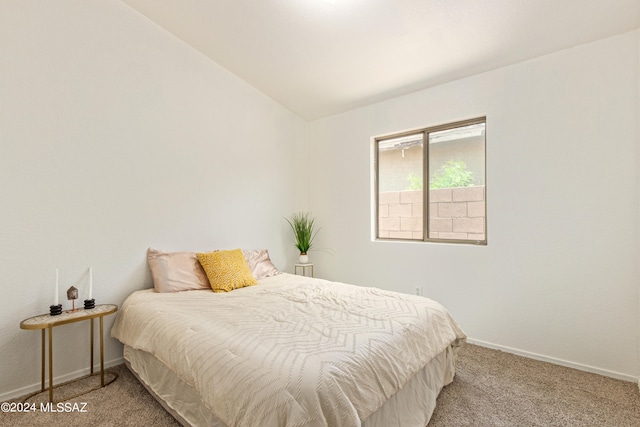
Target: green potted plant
<point>304,231</point>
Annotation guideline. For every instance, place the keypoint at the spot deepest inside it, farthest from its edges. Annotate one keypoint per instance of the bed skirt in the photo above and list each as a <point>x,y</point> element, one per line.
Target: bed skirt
<point>411,406</point>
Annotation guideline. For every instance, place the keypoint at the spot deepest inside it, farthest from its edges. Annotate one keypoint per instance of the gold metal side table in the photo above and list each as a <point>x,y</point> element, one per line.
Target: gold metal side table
<point>48,322</point>
<point>303,267</point>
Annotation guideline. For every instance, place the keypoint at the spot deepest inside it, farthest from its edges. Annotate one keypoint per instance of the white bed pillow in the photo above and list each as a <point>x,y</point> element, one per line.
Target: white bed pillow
<point>176,271</point>
<point>259,263</point>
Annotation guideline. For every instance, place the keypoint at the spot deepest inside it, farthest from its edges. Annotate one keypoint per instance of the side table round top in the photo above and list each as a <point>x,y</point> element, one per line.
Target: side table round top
<point>43,321</point>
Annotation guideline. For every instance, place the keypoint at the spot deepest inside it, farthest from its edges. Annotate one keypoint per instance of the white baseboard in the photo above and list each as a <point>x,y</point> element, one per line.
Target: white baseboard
<point>561,362</point>
<point>57,380</point>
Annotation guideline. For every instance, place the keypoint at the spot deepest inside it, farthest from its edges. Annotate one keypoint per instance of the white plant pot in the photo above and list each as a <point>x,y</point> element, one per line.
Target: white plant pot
<point>304,259</point>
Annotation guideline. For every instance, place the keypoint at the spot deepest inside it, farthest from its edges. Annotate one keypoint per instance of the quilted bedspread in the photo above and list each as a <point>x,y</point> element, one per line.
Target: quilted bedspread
<point>290,351</point>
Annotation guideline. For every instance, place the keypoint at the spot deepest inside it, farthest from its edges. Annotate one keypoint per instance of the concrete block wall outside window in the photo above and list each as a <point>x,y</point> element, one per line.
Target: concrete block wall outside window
<point>456,213</point>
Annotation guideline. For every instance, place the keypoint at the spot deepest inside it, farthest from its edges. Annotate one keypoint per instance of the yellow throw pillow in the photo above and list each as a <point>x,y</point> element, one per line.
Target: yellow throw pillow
<point>226,270</point>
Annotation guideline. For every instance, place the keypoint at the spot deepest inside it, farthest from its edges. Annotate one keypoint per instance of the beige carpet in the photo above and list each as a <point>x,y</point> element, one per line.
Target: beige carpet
<point>491,388</point>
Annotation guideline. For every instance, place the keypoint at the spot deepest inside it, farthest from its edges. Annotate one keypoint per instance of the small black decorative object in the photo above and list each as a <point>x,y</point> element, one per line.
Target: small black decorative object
<point>55,310</point>
<point>89,304</point>
<point>72,295</point>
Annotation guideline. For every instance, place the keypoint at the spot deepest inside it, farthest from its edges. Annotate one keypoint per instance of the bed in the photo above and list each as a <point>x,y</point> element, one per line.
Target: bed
<point>290,351</point>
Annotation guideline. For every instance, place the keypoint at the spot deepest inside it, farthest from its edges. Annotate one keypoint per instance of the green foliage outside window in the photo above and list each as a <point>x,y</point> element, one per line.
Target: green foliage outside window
<point>415,182</point>
<point>452,174</point>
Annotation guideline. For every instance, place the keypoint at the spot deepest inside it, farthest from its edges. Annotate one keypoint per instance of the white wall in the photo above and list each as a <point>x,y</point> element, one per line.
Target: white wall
<point>116,136</point>
<point>558,278</point>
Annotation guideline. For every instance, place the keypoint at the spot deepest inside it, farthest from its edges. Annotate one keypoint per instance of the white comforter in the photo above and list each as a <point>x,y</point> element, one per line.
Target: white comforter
<point>290,351</point>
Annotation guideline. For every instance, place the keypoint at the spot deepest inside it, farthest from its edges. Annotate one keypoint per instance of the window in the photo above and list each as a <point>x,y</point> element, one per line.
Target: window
<point>452,163</point>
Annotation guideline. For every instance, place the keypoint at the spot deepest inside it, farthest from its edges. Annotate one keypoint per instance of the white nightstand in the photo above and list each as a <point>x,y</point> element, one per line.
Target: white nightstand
<point>304,268</point>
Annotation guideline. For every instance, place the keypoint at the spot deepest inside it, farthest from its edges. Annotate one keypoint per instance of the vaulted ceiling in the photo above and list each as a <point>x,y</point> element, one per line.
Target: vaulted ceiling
<point>322,57</point>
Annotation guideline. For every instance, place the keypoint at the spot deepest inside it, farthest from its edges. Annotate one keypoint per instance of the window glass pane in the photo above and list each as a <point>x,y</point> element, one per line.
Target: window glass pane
<point>457,183</point>
<point>400,182</point>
